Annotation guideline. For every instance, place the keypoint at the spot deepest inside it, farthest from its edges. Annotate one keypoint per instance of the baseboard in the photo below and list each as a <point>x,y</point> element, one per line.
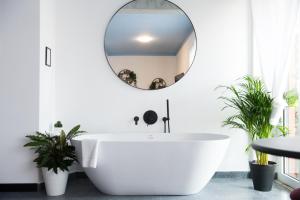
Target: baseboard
<point>235,174</point>
<point>20,187</point>
<point>76,175</point>
<point>238,174</point>
<point>33,187</point>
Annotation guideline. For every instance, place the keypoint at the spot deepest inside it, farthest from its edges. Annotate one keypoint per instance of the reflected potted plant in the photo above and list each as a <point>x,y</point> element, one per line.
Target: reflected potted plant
<point>128,77</point>
<point>55,155</point>
<point>157,83</point>
<point>253,107</point>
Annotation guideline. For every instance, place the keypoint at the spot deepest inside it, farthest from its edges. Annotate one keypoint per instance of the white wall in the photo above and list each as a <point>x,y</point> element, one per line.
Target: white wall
<point>89,93</point>
<point>147,68</point>
<point>19,88</point>
<point>47,74</point>
<point>27,85</point>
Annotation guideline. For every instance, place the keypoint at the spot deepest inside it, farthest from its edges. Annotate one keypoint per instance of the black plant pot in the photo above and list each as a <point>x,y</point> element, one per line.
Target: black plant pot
<point>262,175</point>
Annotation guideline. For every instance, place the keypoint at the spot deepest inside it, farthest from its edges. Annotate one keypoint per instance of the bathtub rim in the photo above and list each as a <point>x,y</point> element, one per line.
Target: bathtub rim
<point>171,137</point>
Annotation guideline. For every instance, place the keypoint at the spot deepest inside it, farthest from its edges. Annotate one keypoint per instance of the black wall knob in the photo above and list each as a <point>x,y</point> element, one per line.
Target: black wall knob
<point>150,117</point>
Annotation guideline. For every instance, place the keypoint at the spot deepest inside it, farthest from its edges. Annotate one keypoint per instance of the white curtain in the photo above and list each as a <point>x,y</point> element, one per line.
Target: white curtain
<point>274,25</point>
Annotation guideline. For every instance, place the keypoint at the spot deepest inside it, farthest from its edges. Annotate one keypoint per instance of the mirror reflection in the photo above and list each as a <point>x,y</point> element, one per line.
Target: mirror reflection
<point>150,44</point>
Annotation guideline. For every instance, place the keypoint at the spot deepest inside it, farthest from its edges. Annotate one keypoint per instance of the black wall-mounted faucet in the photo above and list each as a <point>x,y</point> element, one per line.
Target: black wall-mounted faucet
<point>136,119</point>
<point>166,120</point>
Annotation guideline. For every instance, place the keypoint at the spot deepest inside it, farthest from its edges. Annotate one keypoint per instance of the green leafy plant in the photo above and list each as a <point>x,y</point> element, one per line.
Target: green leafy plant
<point>291,98</point>
<point>54,152</point>
<point>253,107</point>
<point>58,124</point>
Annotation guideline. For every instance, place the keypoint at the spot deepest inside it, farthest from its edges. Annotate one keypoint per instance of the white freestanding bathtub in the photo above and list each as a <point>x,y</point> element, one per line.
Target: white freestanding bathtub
<point>154,164</point>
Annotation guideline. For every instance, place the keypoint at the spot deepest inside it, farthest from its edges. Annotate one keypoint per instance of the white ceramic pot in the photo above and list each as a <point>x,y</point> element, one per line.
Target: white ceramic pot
<point>57,131</point>
<point>55,183</point>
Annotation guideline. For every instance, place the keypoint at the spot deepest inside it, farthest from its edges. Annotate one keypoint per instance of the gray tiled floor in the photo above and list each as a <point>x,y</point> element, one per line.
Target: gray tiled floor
<point>218,189</point>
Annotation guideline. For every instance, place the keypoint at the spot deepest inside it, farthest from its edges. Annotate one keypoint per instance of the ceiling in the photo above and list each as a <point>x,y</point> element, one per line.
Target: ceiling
<point>169,27</point>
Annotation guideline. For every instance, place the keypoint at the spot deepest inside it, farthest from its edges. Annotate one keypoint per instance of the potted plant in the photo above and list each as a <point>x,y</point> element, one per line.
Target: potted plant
<point>291,111</point>
<point>253,106</point>
<point>55,155</point>
<point>291,97</point>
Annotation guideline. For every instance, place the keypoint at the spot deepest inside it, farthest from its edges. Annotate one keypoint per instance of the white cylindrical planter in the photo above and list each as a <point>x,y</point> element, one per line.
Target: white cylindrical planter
<point>55,183</point>
<point>57,131</point>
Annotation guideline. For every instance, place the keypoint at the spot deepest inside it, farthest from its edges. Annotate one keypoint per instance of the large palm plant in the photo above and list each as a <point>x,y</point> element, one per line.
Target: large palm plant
<point>253,106</point>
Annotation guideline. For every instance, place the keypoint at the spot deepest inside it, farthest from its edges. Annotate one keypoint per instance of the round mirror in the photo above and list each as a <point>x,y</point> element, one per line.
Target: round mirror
<point>150,44</point>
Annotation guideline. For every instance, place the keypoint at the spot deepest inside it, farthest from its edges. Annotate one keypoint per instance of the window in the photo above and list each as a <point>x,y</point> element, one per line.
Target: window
<point>290,168</point>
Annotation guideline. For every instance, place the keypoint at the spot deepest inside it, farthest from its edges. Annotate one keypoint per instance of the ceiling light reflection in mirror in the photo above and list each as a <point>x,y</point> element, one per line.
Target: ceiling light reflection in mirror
<point>144,38</point>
